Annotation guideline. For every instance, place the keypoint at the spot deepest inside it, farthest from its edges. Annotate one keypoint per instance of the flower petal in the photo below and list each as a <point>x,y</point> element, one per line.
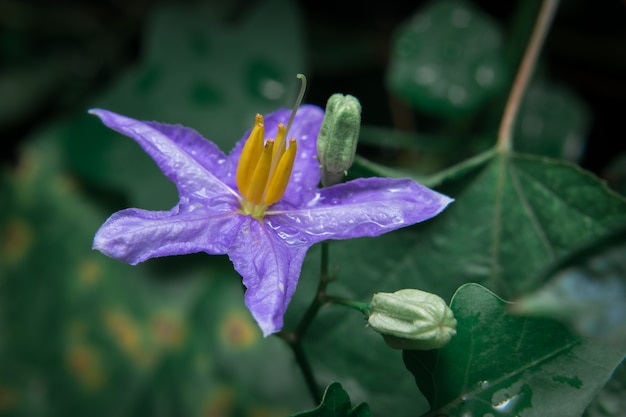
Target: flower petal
<point>363,207</point>
<point>194,164</point>
<point>270,271</point>
<point>134,235</point>
<point>305,128</point>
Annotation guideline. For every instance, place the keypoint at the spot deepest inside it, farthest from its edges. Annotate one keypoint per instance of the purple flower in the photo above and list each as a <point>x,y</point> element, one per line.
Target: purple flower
<point>260,205</point>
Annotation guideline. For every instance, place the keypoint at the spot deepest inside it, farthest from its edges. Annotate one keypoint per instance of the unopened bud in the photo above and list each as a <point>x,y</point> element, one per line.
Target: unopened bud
<point>412,319</point>
<point>336,143</point>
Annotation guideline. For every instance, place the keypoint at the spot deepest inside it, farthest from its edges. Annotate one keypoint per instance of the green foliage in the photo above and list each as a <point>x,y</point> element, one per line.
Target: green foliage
<point>447,59</point>
<point>502,365</point>
<point>209,75</point>
<point>81,334</point>
<point>611,401</point>
<point>586,290</point>
<point>514,216</point>
<point>552,122</point>
<point>98,337</point>
<point>336,403</point>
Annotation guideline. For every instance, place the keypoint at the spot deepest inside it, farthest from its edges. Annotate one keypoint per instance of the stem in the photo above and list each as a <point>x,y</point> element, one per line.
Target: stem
<point>546,14</point>
<point>307,372</point>
<point>318,301</point>
<point>355,305</point>
<point>294,339</point>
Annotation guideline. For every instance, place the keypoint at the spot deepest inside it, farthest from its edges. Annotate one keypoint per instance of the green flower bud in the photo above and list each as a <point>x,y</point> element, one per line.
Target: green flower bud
<point>412,319</point>
<point>336,143</point>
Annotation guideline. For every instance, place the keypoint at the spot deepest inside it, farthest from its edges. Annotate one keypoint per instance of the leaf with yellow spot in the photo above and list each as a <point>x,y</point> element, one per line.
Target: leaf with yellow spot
<point>16,239</point>
<point>84,363</point>
<point>127,334</point>
<point>168,330</point>
<point>238,330</point>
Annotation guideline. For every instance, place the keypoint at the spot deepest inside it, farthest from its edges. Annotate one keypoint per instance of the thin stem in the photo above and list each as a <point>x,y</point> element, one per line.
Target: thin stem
<point>307,372</point>
<point>294,339</point>
<point>318,301</point>
<point>355,305</point>
<point>544,19</point>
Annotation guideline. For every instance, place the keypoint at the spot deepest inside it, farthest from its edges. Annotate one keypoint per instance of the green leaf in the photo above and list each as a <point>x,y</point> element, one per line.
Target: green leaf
<point>514,215</point>
<point>611,400</point>
<point>553,122</point>
<point>447,59</point>
<point>209,75</point>
<point>339,338</point>
<point>506,365</point>
<point>336,403</point>
<point>586,290</point>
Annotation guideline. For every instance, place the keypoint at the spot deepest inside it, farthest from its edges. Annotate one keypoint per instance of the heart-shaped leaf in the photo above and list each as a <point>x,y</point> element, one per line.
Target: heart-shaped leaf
<point>336,403</point>
<point>503,365</point>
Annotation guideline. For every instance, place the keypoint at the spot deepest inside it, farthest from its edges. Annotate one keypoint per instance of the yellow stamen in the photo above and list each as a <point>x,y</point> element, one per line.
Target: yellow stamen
<point>250,155</point>
<point>264,171</point>
<point>256,187</point>
<point>280,177</point>
<point>280,145</point>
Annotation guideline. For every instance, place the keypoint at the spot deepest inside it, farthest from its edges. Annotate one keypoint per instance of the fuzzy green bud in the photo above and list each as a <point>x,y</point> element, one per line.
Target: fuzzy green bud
<point>412,319</point>
<point>336,143</point>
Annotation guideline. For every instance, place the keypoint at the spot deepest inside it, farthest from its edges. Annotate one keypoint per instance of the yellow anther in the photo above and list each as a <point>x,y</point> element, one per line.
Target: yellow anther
<point>280,177</point>
<point>250,154</point>
<point>264,170</point>
<point>256,187</point>
<point>281,144</point>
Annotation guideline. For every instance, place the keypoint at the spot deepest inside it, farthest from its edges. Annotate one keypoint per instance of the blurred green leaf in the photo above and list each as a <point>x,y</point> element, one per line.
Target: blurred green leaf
<point>82,334</point>
<point>615,173</point>
<point>25,90</point>
<point>208,75</point>
<point>587,291</point>
<point>336,403</point>
<point>375,136</point>
<point>504,365</point>
<point>611,400</point>
<point>392,153</point>
<point>552,122</point>
<point>447,59</point>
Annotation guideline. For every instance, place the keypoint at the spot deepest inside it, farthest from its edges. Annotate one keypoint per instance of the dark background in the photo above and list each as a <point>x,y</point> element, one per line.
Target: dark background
<point>90,43</point>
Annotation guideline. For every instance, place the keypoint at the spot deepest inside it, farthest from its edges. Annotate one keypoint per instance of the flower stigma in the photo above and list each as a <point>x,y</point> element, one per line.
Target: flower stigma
<point>265,166</point>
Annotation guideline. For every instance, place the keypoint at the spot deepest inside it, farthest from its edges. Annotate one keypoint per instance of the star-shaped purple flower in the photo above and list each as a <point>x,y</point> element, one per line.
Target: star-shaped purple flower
<point>266,246</point>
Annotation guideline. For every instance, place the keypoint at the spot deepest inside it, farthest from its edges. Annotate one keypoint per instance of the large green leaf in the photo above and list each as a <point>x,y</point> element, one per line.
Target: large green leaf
<point>210,75</point>
<point>336,403</point>
<point>513,216</point>
<point>502,365</point>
